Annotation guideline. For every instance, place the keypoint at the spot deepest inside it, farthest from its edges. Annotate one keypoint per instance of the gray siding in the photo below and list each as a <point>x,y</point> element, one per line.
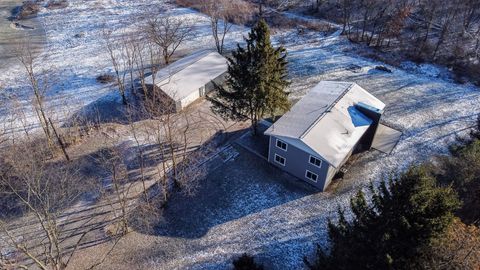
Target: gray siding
<point>297,162</point>
<point>218,80</point>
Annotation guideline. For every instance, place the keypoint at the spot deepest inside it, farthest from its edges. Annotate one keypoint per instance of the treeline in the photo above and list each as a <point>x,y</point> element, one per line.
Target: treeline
<point>443,32</point>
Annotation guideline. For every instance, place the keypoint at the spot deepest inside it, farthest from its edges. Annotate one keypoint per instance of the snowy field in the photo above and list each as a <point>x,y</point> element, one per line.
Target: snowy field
<point>75,53</point>
<point>280,226</point>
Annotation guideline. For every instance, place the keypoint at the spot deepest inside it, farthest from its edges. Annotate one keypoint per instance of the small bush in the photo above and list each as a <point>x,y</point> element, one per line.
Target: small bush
<point>28,9</point>
<point>79,35</point>
<point>246,262</point>
<point>57,4</point>
<point>105,78</point>
<point>383,68</point>
<point>339,175</point>
<point>465,72</point>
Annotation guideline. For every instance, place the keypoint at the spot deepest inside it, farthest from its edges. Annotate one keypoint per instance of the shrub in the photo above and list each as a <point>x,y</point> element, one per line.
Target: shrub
<point>57,4</point>
<point>383,68</point>
<point>462,171</point>
<point>105,78</point>
<point>246,262</point>
<point>467,70</point>
<point>458,249</point>
<point>28,9</point>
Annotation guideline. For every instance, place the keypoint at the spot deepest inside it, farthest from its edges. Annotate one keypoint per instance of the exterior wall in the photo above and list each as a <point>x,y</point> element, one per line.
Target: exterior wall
<point>162,99</point>
<point>297,162</point>
<point>332,170</point>
<point>218,80</point>
<point>192,97</point>
<point>330,174</point>
<point>374,114</point>
<point>182,104</point>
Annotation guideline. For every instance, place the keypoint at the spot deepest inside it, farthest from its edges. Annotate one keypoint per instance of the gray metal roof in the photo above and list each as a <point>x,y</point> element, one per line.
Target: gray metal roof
<point>326,121</point>
<point>185,76</point>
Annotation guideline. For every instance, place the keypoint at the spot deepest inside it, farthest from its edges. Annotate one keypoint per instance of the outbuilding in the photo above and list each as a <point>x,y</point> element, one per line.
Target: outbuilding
<point>190,78</point>
<point>321,131</point>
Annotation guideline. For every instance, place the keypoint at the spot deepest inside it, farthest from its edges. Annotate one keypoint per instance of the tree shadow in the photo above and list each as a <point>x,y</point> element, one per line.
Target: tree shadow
<point>107,109</point>
<point>238,184</point>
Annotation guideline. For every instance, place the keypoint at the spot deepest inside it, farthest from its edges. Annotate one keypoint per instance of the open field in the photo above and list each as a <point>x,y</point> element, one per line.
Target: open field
<point>244,205</point>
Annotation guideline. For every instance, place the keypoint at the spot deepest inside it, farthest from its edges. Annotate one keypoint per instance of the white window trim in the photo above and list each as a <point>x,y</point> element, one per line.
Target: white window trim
<point>307,171</point>
<point>286,145</point>
<point>275,159</point>
<point>321,161</point>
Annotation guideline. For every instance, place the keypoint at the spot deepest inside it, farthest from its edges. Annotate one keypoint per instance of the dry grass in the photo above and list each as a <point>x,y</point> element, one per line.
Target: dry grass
<point>57,4</point>
<point>28,9</point>
<point>243,11</point>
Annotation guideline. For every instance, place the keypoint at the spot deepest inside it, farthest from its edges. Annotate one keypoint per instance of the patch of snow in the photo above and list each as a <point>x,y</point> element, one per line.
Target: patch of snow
<point>426,69</point>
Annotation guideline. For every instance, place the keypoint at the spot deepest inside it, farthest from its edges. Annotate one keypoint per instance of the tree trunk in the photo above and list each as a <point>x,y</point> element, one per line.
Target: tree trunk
<point>60,141</point>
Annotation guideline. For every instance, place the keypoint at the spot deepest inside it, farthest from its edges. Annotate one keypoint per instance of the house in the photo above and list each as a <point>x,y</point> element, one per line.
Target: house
<point>317,136</point>
<point>189,78</point>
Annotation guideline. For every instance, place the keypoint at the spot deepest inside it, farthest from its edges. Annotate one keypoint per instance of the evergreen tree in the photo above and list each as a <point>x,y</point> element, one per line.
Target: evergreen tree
<point>395,230</point>
<point>257,79</point>
<point>462,172</point>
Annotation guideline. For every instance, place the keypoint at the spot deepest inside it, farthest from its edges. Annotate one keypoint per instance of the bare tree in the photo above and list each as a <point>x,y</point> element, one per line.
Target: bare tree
<point>39,84</point>
<point>168,33</point>
<point>347,9</point>
<point>120,56</point>
<point>178,160</point>
<point>147,62</point>
<point>40,190</point>
<point>223,14</point>
<point>117,186</point>
<point>136,131</point>
<point>445,26</point>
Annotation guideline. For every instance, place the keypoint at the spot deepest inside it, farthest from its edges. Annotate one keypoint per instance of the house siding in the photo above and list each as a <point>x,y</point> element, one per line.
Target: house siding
<point>297,162</point>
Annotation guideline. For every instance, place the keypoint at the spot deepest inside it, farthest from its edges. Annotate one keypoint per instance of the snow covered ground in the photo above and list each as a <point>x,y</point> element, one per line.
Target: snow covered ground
<point>75,53</point>
<point>429,111</point>
<point>280,226</point>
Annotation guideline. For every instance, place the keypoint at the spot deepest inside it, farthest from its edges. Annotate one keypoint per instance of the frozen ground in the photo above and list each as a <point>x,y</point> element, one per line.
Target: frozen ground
<point>246,206</point>
<point>75,53</point>
<point>279,224</point>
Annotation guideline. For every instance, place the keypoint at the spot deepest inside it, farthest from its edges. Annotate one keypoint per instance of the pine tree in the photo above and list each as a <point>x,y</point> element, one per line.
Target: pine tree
<point>395,230</point>
<point>257,79</point>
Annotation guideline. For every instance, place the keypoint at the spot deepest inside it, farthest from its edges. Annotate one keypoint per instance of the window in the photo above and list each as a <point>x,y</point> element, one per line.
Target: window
<point>280,160</point>
<point>310,175</point>
<point>281,145</point>
<point>315,161</point>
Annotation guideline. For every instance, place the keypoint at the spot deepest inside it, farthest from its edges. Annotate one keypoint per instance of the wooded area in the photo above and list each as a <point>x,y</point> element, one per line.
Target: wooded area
<point>442,32</point>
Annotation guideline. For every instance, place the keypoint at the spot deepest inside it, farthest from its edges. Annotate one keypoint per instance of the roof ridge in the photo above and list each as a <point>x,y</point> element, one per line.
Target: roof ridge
<point>320,117</point>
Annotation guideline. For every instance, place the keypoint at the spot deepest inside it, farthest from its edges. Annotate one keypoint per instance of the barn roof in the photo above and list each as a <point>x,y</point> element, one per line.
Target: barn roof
<point>326,122</point>
<point>185,76</point>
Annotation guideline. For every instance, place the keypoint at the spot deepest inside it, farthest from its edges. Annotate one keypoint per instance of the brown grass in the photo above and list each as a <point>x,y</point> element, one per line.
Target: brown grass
<point>57,4</point>
<point>28,9</point>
